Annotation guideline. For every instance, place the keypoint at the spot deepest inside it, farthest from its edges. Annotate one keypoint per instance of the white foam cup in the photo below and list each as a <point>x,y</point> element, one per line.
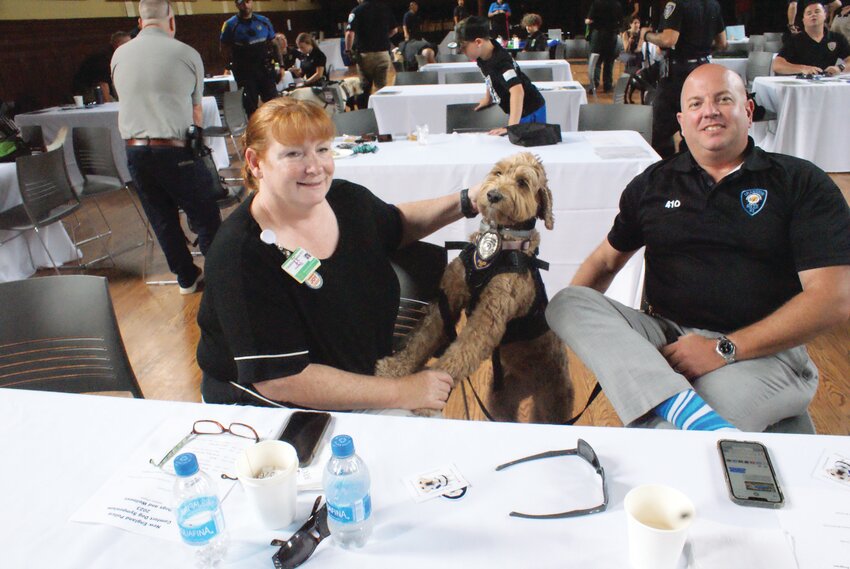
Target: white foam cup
<point>658,521</point>
<point>78,101</point>
<point>268,473</point>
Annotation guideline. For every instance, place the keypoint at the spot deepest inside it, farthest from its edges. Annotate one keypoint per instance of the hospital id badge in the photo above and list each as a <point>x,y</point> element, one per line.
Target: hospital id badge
<point>301,265</point>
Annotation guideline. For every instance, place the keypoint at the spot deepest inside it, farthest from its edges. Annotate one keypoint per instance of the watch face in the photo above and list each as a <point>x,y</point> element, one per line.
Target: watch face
<point>726,347</point>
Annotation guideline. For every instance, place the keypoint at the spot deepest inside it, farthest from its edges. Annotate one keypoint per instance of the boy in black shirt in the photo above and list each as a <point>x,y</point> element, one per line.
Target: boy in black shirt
<point>507,85</point>
<point>536,39</point>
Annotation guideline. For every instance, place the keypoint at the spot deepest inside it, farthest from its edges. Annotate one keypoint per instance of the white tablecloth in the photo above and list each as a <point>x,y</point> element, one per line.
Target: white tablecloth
<point>106,115</point>
<point>586,189</point>
<point>60,449</point>
<point>15,261</point>
<point>332,48</point>
<point>812,119</point>
<point>400,108</point>
<point>560,68</point>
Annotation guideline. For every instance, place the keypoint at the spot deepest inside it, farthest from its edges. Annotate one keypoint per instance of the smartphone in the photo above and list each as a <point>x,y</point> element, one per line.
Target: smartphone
<point>305,431</point>
<point>749,474</point>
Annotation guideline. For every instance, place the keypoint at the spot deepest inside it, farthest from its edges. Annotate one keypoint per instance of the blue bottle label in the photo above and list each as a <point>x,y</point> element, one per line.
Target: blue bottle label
<point>190,516</point>
<point>356,512</point>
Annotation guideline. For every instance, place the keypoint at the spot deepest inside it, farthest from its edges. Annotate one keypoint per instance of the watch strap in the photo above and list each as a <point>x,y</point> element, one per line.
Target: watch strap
<point>466,204</point>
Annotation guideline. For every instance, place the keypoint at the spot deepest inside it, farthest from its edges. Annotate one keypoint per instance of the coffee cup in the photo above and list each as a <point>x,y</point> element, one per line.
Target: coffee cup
<point>78,101</point>
<point>268,472</point>
<point>658,521</point>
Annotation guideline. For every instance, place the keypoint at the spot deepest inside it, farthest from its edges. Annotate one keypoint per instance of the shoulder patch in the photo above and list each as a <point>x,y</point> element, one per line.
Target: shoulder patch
<point>508,75</point>
<point>669,9</point>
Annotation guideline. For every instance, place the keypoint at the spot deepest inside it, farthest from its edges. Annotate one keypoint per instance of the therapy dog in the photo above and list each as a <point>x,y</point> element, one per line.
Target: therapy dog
<point>496,280</point>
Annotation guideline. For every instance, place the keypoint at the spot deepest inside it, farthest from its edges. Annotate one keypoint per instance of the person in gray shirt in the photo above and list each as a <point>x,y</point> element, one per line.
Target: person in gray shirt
<point>160,83</point>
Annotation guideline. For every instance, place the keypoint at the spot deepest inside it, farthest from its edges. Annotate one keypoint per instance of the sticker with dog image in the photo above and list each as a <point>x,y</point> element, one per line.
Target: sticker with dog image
<point>834,467</point>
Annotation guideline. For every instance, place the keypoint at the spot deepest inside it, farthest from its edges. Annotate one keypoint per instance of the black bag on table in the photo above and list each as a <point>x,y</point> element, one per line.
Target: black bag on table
<point>534,134</point>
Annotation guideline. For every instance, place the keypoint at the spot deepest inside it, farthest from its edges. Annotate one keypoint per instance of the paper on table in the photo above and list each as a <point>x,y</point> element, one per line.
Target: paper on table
<point>720,546</point>
<point>619,152</point>
<point>138,497</point>
<point>602,138</point>
<point>819,520</point>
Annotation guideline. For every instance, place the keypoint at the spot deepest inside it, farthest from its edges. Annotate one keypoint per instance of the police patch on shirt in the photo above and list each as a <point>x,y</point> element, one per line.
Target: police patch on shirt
<point>508,75</point>
<point>753,200</point>
<point>350,17</point>
<point>831,45</point>
<point>668,10</point>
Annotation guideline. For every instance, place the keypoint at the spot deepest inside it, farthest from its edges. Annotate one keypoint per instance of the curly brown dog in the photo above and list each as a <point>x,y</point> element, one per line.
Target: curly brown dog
<point>497,281</point>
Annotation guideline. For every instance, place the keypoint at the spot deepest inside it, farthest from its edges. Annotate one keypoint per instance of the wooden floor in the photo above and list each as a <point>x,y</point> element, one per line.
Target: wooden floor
<point>160,333</point>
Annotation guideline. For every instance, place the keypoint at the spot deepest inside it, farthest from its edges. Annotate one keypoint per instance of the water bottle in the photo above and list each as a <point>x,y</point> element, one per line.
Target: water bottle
<point>346,482</point>
<point>98,95</point>
<point>198,512</point>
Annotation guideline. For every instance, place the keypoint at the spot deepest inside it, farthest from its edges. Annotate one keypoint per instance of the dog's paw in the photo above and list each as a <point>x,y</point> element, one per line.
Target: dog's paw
<point>392,366</point>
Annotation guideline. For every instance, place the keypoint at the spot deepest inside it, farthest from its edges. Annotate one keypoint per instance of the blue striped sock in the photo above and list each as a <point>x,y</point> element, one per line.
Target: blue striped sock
<point>690,412</point>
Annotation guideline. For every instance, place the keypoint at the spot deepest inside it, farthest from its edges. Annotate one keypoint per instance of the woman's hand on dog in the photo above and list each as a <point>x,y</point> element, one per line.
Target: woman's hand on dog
<point>428,389</point>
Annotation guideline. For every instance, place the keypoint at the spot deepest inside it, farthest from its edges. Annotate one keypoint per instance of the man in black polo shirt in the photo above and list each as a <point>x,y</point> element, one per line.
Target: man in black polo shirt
<point>370,26</point>
<point>747,258</point>
<point>795,15</point>
<point>410,23</point>
<point>688,30</point>
<point>816,50</point>
<point>507,85</point>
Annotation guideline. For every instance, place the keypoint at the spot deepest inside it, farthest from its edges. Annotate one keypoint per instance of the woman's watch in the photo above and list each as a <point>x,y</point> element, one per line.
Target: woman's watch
<point>726,349</point>
<point>466,204</point>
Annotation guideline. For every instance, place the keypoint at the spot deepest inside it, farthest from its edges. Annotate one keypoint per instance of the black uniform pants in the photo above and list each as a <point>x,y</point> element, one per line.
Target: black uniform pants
<point>605,44</point>
<point>665,106</point>
<point>255,83</point>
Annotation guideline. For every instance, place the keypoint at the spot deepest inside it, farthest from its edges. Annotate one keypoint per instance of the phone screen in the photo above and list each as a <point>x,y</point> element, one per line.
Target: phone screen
<point>749,472</point>
<point>304,431</point>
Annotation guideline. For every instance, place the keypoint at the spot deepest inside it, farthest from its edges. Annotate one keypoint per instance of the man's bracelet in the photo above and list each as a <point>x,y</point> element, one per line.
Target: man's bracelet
<point>466,204</point>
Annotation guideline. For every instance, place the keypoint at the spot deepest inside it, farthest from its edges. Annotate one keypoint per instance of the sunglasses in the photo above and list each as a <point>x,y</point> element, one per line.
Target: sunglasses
<point>585,451</point>
<point>298,548</point>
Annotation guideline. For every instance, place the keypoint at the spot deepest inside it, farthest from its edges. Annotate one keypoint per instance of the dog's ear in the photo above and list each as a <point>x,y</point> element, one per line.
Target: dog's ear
<point>544,208</point>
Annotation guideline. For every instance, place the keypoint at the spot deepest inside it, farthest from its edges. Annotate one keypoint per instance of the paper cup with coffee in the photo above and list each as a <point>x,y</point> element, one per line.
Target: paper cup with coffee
<point>268,472</point>
<point>658,521</point>
<point>78,101</point>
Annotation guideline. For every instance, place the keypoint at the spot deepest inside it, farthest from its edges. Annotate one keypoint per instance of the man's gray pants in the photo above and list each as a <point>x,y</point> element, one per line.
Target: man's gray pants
<point>621,346</point>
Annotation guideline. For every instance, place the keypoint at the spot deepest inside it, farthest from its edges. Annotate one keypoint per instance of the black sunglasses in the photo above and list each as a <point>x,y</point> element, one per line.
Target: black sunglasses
<point>298,548</point>
<point>585,451</point>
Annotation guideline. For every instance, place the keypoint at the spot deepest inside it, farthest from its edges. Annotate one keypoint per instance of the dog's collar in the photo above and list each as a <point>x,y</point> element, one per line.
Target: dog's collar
<point>510,233</point>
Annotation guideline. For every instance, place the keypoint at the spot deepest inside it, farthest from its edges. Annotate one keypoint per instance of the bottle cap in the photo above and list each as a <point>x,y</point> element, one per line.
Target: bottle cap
<point>342,446</point>
<point>186,464</point>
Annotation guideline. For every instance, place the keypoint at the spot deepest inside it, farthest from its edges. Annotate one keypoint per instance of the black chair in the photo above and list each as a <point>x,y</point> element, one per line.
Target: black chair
<point>94,157</point>
<point>356,123</point>
<point>464,77</point>
<point>419,268</point>
<point>60,334</point>
<point>532,55</point>
<point>217,89</point>
<point>462,118</point>
<point>417,78</point>
<point>617,117</point>
<point>46,194</point>
<point>536,74</point>
<point>235,119</point>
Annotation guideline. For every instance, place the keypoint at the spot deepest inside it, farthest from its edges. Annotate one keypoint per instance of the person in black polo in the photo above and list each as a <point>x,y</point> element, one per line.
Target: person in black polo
<point>795,15</point>
<point>507,85</point>
<point>410,23</point>
<point>747,259</point>
<point>816,50</point>
<point>688,30</point>
<point>370,26</point>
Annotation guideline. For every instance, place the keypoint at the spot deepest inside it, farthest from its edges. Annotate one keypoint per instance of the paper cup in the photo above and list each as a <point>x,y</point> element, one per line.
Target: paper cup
<point>268,473</point>
<point>78,101</point>
<point>658,520</point>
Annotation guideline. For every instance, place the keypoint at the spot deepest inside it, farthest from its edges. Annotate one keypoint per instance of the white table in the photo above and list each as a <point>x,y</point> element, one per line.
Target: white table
<point>560,68</point>
<point>586,190</point>
<point>229,79</point>
<point>400,108</point>
<point>332,48</point>
<point>15,260</point>
<point>60,449</point>
<point>812,121</point>
<point>106,115</point>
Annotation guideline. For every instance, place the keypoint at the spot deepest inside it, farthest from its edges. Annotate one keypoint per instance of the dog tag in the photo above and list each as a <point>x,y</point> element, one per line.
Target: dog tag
<point>487,247</point>
<point>301,265</point>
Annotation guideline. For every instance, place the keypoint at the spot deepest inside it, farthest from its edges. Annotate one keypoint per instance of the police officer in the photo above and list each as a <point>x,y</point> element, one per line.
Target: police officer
<point>688,29</point>
<point>246,42</point>
<point>367,41</point>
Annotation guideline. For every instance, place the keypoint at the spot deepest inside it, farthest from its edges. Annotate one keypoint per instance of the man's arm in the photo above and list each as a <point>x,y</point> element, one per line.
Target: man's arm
<point>198,115</point>
<point>823,303</point>
<point>517,98</point>
<point>666,39</point>
<point>600,268</point>
<point>323,387</point>
<point>782,66</point>
<point>349,39</point>
<point>720,41</point>
<point>792,15</point>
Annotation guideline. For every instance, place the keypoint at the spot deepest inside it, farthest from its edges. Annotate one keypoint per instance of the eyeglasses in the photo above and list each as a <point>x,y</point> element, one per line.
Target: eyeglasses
<point>209,427</point>
<point>585,451</point>
<point>298,548</point>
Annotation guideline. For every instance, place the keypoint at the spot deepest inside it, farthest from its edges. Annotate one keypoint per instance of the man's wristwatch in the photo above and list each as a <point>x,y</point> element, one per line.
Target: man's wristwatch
<point>840,65</point>
<point>466,204</point>
<point>726,349</point>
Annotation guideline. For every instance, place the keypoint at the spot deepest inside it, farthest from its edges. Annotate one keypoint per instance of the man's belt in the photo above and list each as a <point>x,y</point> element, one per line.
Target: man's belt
<point>175,142</point>
<point>689,61</point>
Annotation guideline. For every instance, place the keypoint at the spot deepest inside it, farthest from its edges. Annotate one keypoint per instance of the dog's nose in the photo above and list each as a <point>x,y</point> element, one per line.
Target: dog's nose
<point>494,196</point>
